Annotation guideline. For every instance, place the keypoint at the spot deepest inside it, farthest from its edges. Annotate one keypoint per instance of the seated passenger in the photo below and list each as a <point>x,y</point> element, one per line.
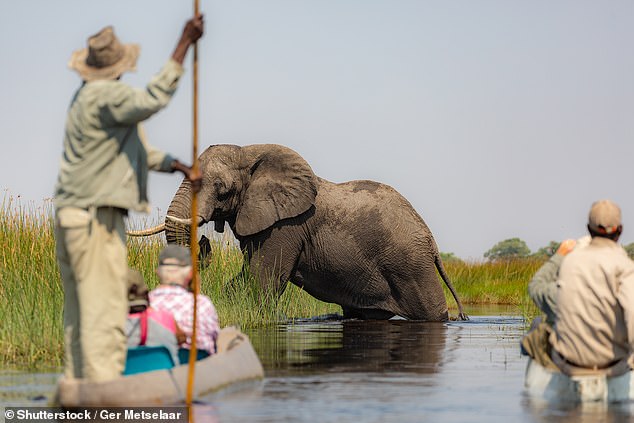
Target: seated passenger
<point>592,303</point>
<point>174,296</point>
<point>145,325</point>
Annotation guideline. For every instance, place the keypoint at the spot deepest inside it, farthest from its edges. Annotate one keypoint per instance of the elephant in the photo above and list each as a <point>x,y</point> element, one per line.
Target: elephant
<point>359,244</point>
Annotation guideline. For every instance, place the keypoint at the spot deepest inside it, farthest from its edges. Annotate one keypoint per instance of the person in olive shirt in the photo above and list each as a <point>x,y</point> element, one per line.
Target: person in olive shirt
<point>103,174</point>
<point>543,286</point>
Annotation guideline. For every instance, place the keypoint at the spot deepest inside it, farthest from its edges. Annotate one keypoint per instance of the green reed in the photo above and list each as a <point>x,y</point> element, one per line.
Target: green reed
<point>498,282</point>
<point>238,297</point>
<point>31,296</point>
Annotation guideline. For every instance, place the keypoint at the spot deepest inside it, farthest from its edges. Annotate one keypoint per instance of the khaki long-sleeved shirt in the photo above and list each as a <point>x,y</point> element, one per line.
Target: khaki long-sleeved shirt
<point>106,158</point>
<point>595,305</point>
<point>543,287</point>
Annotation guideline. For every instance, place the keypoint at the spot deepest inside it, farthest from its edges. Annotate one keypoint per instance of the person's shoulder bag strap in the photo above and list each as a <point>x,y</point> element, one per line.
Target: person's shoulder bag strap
<point>143,319</point>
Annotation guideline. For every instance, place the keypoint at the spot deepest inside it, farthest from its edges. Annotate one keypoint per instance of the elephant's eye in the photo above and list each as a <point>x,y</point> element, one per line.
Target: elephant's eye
<point>219,187</point>
<point>222,191</point>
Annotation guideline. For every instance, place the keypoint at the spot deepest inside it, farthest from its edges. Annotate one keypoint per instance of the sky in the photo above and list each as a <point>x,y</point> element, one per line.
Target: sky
<point>495,118</point>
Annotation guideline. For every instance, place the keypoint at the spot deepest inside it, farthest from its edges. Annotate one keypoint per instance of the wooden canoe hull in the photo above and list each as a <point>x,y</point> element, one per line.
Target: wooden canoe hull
<point>556,386</point>
<point>235,361</point>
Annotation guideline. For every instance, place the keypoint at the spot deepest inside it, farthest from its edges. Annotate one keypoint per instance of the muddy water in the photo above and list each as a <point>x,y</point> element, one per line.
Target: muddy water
<point>385,371</point>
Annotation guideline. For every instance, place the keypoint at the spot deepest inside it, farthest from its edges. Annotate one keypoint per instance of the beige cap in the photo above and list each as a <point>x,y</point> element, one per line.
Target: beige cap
<point>605,217</point>
<point>175,255</point>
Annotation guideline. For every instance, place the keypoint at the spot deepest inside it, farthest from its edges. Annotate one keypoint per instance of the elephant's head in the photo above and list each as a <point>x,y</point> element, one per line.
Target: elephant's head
<point>249,187</point>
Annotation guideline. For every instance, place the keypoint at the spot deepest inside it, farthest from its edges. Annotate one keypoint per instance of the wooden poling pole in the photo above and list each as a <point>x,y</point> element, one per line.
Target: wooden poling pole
<point>193,232</point>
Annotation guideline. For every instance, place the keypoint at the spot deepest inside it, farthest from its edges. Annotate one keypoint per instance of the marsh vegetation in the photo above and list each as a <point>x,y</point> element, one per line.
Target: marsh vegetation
<point>31,296</point>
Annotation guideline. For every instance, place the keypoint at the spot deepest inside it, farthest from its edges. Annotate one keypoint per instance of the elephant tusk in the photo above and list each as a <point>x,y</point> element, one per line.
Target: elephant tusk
<point>147,232</point>
<point>181,221</point>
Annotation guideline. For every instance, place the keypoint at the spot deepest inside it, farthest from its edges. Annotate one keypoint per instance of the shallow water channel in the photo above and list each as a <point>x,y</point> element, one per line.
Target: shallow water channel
<point>378,371</point>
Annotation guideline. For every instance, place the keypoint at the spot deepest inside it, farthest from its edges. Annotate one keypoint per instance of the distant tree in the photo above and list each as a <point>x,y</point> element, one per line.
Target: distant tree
<point>629,248</point>
<point>450,258</point>
<point>508,249</point>
<point>547,251</point>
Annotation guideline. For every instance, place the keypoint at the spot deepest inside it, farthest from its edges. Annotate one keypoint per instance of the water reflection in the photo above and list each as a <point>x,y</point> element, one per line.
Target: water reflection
<point>376,371</point>
<point>19,389</point>
<point>351,346</point>
<point>544,411</point>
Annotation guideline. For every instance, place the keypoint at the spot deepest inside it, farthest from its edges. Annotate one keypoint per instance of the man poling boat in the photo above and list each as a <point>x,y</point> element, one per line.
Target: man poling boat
<point>103,174</point>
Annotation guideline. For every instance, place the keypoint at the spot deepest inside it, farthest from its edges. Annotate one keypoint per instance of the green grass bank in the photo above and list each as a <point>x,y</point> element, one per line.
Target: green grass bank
<point>500,283</point>
<point>31,297</point>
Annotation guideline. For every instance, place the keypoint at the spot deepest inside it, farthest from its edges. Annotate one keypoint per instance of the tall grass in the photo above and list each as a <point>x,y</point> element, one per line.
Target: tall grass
<point>238,297</point>
<point>31,297</point>
<point>498,282</point>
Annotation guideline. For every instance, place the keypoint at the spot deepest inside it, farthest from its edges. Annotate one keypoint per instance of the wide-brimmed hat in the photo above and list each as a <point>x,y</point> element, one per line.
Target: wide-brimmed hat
<point>105,57</point>
<point>604,217</point>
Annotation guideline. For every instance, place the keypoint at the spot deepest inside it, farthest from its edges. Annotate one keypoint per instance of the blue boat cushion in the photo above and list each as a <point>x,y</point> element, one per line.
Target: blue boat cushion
<point>183,355</point>
<point>145,359</point>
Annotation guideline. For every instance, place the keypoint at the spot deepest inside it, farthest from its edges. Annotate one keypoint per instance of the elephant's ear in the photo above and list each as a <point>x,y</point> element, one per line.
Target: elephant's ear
<point>281,185</point>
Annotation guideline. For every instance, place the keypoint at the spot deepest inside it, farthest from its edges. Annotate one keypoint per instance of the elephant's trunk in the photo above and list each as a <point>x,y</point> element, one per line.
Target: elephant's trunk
<point>177,227</point>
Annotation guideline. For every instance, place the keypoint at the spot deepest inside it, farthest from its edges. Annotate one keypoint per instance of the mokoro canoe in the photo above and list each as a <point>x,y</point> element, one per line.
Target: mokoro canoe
<point>235,361</point>
<point>556,386</point>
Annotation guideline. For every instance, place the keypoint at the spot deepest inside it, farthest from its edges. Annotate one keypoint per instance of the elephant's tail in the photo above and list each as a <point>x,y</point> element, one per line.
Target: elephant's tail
<point>443,275</point>
<point>147,232</point>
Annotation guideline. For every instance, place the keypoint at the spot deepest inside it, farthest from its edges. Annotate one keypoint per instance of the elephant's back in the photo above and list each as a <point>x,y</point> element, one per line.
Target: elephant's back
<point>372,212</point>
<point>365,198</point>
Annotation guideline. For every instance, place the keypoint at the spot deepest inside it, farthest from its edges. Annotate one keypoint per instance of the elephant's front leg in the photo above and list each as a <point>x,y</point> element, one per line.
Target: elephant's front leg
<point>271,262</point>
